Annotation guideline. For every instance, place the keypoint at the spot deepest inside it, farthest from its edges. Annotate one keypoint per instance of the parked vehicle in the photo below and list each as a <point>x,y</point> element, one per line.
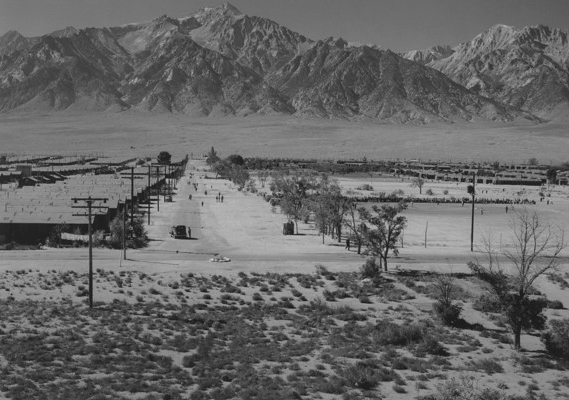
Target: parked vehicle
<point>180,232</point>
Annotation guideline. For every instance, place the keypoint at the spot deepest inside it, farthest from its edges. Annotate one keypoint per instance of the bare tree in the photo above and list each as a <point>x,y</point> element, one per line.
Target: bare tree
<point>263,176</point>
<point>534,250</point>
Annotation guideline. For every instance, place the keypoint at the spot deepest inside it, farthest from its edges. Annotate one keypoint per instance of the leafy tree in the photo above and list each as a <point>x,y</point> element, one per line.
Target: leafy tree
<point>329,207</point>
<point>551,175</point>
<point>239,176</point>
<point>235,173</point>
<point>164,158</point>
<point>236,159</point>
<point>319,205</point>
<point>212,157</point>
<point>338,208</point>
<point>222,168</point>
<point>534,250</point>
<point>136,234</point>
<point>293,188</point>
<point>55,234</point>
<point>418,182</point>
<point>533,161</point>
<point>385,225</point>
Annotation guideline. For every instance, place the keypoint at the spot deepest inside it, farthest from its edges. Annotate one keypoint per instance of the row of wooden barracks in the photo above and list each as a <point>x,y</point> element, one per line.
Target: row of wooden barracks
<point>35,198</point>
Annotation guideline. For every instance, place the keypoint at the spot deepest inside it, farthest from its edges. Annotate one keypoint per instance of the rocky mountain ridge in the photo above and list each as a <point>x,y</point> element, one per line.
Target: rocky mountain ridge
<point>525,68</point>
<point>221,61</point>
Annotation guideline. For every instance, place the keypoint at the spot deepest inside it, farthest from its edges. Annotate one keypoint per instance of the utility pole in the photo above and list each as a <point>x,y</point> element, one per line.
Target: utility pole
<point>169,180</point>
<point>131,195</point>
<point>158,170</point>
<point>124,231</point>
<point>472,191</point>
<point>89,205</point>
<point>149,193</point>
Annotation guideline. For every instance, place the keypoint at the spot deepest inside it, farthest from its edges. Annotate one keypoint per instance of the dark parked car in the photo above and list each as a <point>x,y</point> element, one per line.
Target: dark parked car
<point>181,232</point>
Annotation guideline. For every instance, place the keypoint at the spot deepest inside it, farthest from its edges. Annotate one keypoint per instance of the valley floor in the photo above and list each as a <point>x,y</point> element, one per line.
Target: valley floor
<point>287,317</point>
<point>140,133</point>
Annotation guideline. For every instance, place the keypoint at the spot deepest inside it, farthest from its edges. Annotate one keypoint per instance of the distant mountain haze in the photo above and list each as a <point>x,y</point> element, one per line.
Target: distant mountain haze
<point>219,61</point>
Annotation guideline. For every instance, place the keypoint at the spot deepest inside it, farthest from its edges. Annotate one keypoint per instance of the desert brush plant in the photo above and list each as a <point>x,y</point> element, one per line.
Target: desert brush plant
<point>445,308</point>
<point>556,339</point>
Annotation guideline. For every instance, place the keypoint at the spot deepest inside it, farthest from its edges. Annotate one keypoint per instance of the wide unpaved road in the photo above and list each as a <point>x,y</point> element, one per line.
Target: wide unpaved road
<point>242,227</point>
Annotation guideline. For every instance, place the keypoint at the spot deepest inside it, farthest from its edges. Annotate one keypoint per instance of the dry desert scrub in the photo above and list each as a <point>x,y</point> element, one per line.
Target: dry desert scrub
<point>253,336</point>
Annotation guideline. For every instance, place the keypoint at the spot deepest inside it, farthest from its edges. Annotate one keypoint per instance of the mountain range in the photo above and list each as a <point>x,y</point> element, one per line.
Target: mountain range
<point>220,61</point>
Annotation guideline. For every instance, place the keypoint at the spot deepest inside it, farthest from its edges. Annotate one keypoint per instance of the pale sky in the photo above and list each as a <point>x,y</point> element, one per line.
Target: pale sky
<point>399,25</point>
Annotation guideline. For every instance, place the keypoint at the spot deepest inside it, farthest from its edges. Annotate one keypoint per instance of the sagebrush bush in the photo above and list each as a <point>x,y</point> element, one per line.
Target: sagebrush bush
<point>556,339</point>
<point>361,376</point>
<point>449,314</point>
<point>554,304</point>
<point>371,269</point>
<point>464,389</point>
<point>487,303</point>
<point>388,333</point>
<point>431,345</point>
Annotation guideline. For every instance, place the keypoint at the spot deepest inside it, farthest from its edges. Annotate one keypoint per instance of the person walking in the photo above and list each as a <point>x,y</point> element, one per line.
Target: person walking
<point>348,244</point>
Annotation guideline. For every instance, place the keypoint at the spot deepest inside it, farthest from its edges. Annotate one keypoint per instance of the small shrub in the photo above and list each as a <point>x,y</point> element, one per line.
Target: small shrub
<point>488,365</point>
<point>399,389</point>
<point>487,303</point>
<point>430,345</point>
<point>388,333</point>
<point>329,296</point>
<point>361,376</point>
<point>554,304</point>
<point>371,269</point>
<point>449,314</point>
<point>556,339</point>
<point>463,389</point>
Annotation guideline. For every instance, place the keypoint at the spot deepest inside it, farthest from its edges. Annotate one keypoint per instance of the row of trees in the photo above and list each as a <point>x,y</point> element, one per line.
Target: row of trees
<point>231,168</point>
<point>304,195</point>
<point>136,234</point>
<point>534,249</point>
